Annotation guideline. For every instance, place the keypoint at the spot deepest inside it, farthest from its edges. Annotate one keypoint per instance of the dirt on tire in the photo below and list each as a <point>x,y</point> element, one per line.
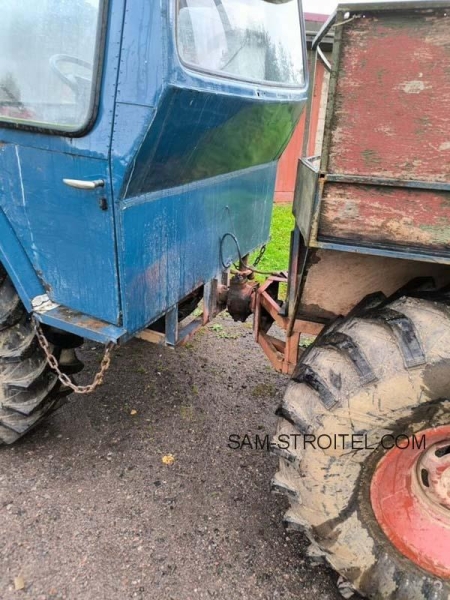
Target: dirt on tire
<point>382,370</point>
<point>29,390</point>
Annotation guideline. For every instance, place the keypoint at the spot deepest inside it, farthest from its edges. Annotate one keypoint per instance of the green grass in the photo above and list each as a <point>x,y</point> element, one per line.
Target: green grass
<point>276,257</point>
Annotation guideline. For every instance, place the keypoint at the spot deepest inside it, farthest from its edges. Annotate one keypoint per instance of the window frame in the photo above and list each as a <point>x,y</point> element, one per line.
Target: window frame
<point>95,90</point>
<point>235,78</point>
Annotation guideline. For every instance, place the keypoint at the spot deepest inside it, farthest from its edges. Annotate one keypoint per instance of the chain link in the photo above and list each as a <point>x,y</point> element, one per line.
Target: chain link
<point>63,377</point>
<point>260,255</point>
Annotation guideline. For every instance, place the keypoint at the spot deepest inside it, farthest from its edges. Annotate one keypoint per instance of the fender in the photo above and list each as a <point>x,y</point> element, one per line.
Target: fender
<point>17,264</point>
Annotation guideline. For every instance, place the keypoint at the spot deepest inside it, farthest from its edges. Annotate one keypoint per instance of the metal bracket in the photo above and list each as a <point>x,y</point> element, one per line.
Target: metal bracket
<point>42,304</point>
<point>177,334</point>
<point>283,354</point>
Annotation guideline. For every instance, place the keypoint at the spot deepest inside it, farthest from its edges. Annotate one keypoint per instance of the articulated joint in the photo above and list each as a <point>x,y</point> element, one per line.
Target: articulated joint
<point>240,297</point>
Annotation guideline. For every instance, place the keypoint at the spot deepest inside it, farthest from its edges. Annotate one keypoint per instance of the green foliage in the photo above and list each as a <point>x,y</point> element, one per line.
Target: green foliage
<point>276,257</point>
<point>263,390</point>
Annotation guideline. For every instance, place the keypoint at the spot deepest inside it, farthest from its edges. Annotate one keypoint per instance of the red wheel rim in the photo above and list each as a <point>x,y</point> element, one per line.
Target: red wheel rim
<point>410,496</point>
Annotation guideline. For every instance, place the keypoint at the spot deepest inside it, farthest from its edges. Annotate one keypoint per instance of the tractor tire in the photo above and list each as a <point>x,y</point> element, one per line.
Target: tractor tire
<point>384,370</point>
<point>29,390</point>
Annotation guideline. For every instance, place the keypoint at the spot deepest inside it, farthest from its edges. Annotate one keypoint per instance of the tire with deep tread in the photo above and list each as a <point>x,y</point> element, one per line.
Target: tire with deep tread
<point>29,390</point>
<point>383,369</point>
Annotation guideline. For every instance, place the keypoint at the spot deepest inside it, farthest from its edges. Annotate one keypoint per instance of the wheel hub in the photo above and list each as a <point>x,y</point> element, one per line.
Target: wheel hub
<point>433,475</point>
<point>410,496</point>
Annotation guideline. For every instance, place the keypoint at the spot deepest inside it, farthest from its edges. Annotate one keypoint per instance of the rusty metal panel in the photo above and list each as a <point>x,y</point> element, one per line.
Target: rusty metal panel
<point>392,99</point>
<point>389,118</point>
<point>382,214</point>
<point>305,196</point>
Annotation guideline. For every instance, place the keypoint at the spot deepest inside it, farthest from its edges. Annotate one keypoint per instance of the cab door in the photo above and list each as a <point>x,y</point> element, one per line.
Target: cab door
<point>57,84</point>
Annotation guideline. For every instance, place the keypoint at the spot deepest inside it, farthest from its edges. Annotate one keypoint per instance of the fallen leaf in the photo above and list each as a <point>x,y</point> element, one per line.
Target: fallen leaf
<point>19,583</point>
<point>133,412</point>
<point>168,459</point>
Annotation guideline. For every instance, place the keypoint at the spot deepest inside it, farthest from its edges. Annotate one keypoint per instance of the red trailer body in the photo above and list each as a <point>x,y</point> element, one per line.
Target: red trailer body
<point>386,162</point>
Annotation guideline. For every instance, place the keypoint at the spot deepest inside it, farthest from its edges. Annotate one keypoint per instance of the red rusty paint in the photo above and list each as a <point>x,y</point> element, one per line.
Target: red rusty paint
<point>287,166</point>
<point>315,107</point>
<point>315,17</point>
<point>392,100</point>
<point>386,215</point>
<point>413,508</point>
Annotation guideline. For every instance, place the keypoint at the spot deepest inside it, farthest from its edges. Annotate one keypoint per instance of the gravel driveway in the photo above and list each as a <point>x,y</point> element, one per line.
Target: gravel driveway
<point>90,510</point>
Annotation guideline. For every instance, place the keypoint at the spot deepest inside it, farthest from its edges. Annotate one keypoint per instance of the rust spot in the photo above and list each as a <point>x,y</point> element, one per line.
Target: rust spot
<point>371,157</point>
<point>76,318</point>
<point>47,287</point>
<point>380,214</point>
<point>382,88</point>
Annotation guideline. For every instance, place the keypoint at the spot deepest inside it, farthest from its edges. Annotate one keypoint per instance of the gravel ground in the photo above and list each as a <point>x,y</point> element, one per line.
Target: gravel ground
<point>89,510</point>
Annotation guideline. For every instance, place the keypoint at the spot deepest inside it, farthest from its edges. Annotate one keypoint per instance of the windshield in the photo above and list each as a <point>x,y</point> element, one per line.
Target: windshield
<point>47,57</point>
<point>252,40</point>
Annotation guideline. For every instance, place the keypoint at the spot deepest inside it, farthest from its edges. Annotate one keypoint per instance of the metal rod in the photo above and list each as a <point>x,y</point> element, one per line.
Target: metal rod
<point>324,59</point>
<point>323,31</point>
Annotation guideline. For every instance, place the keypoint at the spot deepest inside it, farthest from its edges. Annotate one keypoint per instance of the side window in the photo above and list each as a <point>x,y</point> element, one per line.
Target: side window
<point>251,40</point>
<point>48,56</point>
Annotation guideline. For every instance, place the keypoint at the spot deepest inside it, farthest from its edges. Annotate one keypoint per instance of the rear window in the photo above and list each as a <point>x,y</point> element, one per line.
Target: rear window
<point>48,57</point>
<point>251,40</point>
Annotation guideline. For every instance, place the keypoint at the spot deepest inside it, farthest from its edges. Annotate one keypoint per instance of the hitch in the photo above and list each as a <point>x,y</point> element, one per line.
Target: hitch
<point>240,296</point>
<point>283,354</point>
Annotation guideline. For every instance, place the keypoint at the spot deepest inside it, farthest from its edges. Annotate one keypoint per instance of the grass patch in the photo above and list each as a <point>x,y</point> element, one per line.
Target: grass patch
<point>263,390</point>
<point>276,257</point>
<point>221,333</point>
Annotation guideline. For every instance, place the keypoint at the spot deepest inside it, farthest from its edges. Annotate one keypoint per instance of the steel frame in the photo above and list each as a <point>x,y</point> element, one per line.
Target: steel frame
<point>283,354</point>
<point>338,19</point>
<point>175,333</point>
<point>267,310</point>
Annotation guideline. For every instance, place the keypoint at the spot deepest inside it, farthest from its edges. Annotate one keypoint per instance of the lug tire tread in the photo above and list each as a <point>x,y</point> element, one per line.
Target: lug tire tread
<point>342,385</point>
<point>29,390</point>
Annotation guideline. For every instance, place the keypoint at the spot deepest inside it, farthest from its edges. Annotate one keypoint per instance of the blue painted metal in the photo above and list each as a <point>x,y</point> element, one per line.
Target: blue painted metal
<point>67,239</point>
<point>16,262</point>
<point>171,240</point>
<point>198,135</point>
<point>186,157</point>
<point>83,325</point>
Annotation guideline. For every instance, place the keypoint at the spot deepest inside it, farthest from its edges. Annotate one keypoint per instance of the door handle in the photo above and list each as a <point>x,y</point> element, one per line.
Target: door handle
<point>80,184</point>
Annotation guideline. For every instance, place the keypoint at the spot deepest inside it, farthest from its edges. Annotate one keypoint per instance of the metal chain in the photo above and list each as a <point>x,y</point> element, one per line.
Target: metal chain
<point>63,377</point>
<point>260,255</point>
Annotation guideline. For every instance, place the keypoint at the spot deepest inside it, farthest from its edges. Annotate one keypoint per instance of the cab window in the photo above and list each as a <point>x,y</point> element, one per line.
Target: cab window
<point>252,40</point>
<point>48,56</point>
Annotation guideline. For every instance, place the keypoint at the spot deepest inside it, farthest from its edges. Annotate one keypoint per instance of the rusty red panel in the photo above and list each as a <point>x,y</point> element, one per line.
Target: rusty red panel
<point>386,215</point>
<point>391,115</point>
<point>287,166</point>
